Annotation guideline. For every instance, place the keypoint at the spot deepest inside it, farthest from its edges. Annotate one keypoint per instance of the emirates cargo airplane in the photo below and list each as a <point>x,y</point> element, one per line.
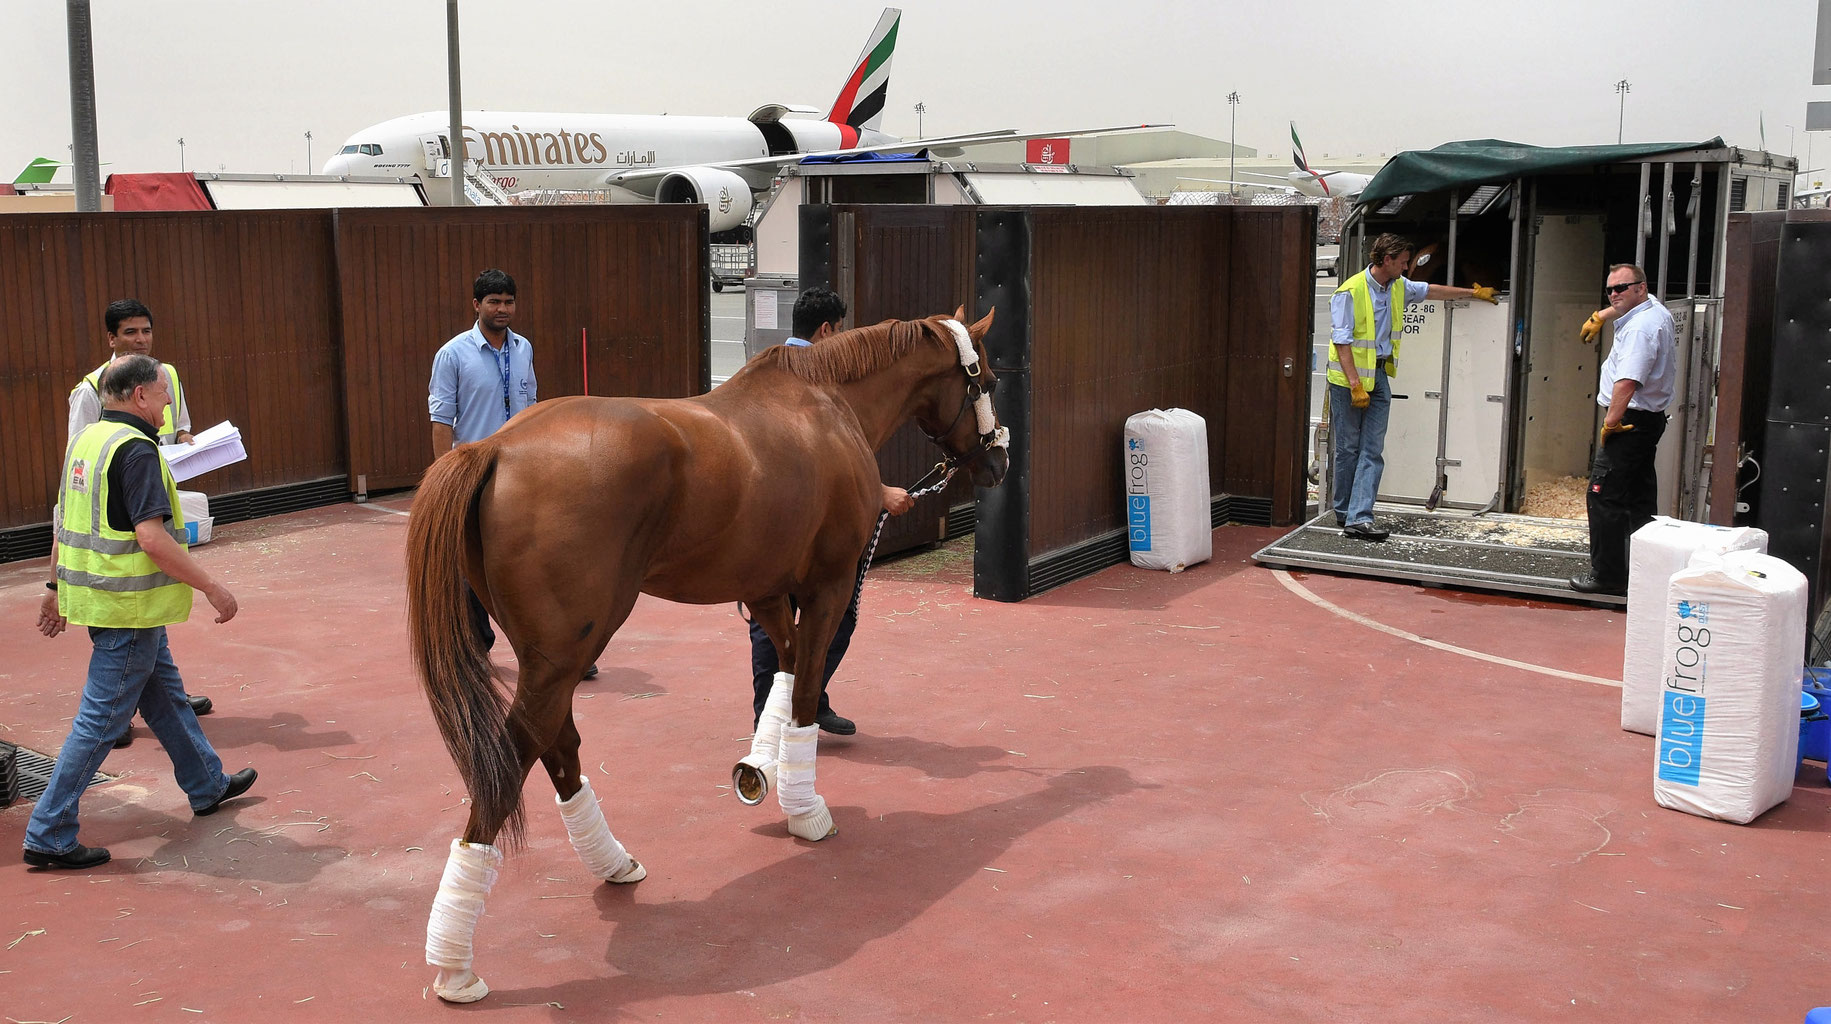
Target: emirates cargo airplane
<point>720,161</point>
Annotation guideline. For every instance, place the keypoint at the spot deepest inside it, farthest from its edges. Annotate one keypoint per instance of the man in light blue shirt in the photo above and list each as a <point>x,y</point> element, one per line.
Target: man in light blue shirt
<point>817,315</point>
<point>1636,386</point>
<point>483,377</point>
<point>480,380</point>
<point>1361,358</point>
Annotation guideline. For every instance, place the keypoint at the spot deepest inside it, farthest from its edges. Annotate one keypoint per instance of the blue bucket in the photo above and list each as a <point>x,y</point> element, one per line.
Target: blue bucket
<point>1814,729</point>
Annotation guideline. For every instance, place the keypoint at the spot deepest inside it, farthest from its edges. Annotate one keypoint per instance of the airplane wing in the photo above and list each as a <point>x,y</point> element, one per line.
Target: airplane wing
<point>1279,178</point>
<point>1249,184</point>
<point>635,178</point>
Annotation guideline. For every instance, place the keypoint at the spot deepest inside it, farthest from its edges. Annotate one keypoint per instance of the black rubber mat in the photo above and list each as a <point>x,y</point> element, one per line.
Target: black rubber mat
<point>1510,554</point>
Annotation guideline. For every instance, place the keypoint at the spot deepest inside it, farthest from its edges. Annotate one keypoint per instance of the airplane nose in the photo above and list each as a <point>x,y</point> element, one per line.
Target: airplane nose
<point>338,164</point>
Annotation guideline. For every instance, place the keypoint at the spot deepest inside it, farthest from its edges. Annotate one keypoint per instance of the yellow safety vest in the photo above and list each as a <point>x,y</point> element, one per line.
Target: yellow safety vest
<point>168,430</point>
<point>104,577</point>
<point>1365,344</point>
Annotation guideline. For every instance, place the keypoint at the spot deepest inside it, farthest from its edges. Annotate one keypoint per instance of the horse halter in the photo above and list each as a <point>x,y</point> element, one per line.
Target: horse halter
<point>991,434</point>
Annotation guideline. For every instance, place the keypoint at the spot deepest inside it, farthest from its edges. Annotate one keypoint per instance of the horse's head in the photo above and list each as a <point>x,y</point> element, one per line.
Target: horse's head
<point>956,409</point>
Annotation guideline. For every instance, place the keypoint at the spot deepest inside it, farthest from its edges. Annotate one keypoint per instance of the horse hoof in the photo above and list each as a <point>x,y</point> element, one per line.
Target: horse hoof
<point>812,827</point>
<point>459,986</point>
<point>753,778</point>
<point>634,873</point>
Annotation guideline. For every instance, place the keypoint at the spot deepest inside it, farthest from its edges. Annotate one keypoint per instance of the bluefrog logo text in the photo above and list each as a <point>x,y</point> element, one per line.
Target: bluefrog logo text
<point>1137,498</point>
<point>1681,727</point>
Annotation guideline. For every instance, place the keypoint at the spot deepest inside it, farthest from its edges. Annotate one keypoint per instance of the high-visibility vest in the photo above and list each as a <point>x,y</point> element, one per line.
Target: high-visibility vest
<point>1365,344</point>
<point>168,430</point>
<point>104,577</point>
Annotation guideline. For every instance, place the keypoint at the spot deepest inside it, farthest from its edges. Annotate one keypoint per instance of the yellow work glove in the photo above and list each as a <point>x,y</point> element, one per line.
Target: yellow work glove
<point>1591,329</point>
<point>1486,294</point>
<point>1392,367</point>
<point>1359,395</point>
<point>1602,436</point>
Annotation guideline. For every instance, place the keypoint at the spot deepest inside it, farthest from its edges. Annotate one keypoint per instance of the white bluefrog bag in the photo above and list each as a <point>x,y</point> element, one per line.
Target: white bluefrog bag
<point>1735,634</point>
<point>1168,524</point>
<point>1655,552</point>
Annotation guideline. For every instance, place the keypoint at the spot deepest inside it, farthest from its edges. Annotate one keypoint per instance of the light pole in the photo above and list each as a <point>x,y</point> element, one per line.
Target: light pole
<point>1623,87</point>
<point>308,151</point>
<point>1233,111</point>
<point>1789,142</point>
<point>920,108</point>
<point>181,153</point>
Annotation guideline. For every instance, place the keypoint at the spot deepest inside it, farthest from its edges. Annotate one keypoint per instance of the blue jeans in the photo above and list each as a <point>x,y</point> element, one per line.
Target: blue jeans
<point>1360,448</point>
<point>129,668</point>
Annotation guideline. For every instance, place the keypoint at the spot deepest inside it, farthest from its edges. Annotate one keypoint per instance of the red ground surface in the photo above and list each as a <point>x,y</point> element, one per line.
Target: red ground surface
<point>1139,797</point>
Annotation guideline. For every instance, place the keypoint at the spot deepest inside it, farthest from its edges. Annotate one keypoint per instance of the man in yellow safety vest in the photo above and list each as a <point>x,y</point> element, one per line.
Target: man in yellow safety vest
<point>123,570</point>
<point>1363,353</point>
<point>130,332</point>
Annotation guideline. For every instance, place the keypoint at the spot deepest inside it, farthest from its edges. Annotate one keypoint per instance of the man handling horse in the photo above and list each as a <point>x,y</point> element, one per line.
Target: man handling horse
<point>818,314</point>
<point>1363,355</point>
<point>123,572</point>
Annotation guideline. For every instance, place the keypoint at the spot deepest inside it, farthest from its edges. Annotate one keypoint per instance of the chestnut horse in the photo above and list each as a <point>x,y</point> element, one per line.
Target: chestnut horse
<point>762,490</point>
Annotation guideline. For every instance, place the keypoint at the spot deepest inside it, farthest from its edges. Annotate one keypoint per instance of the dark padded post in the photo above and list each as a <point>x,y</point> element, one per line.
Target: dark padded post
<point>1001,272</point>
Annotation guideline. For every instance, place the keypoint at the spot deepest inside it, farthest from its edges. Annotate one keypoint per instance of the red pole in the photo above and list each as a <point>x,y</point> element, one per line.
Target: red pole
<point>585,360</point>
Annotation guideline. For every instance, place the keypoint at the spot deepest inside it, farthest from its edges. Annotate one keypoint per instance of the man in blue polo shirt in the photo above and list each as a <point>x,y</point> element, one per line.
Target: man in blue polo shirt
<point>480,380</point>
<point>818,314</point>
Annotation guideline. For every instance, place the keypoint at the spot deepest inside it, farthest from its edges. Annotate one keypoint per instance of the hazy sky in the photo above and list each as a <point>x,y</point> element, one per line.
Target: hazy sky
<point>243,81</point>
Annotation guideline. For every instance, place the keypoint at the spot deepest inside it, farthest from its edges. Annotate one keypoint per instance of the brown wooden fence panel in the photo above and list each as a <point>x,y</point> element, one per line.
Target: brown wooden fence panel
<point>1111,311</point>
<point>921,261</point>
<point>242,305</point>
<point>633,277</point>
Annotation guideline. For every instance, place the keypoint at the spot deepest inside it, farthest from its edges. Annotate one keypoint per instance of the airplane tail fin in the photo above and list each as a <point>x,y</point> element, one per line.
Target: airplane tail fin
<point>38,172</point>
<point>1302,164</point>
<point>860,105</point>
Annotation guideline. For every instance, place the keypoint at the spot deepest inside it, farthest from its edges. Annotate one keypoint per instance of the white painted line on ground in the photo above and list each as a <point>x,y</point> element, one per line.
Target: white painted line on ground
<point>380,508</point>
<point>1304,592</point>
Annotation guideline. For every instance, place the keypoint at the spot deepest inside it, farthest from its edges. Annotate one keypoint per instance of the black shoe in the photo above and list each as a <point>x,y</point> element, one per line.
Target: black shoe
<point>238,784</point>
<point>828,721</point>
<point>1363,531</point>
<point>1588,584</point>
<point>126,739</point>
<point>591,672</point>
<point>79,857</point>
<point>201,705</point>
<point>1340,520</point>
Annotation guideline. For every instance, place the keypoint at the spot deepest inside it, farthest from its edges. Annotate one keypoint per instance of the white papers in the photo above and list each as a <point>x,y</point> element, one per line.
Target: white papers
<point>766,309</point>
<point>214,448</point>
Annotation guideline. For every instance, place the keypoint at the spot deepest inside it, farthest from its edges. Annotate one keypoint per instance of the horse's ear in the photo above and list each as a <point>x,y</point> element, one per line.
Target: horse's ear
<point>960,314</point>
<point>978,330</point>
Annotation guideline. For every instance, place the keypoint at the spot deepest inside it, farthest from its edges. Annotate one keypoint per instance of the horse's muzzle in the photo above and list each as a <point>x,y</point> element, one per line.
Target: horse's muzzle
<point>989,469</point>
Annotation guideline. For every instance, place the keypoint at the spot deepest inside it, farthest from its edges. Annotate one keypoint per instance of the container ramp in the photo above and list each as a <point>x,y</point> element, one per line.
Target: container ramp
<point>1512,554</point>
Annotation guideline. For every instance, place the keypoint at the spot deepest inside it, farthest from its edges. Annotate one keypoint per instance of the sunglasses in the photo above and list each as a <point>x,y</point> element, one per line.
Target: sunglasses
<point>1617,289</point>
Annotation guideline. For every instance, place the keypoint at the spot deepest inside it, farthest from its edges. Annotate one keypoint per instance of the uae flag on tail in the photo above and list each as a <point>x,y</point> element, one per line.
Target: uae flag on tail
<point>861,103</point>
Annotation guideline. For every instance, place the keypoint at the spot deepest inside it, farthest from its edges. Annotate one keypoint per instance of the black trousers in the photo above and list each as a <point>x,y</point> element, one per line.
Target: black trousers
<point>479,619</point>
<point>1623,493</point>
<point>763,664</point>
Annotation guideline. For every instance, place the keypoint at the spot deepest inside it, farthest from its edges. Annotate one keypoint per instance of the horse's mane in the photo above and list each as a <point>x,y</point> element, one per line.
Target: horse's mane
<point>852,354</point>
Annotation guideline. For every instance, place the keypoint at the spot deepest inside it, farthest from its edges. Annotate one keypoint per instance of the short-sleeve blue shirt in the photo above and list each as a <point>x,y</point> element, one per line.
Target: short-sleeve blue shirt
<point>1341,313</point>
<point>475,388</point>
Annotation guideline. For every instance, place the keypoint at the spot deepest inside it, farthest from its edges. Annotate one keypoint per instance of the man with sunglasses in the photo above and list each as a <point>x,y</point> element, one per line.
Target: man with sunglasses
<point>1636,386</point>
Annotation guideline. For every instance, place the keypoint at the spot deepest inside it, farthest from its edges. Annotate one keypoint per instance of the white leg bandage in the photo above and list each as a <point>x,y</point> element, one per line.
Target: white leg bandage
<point>768,736</point>
<point>591,839</point>
<point>470,873</point>
<point>807,813</point>
<point>755,773</point>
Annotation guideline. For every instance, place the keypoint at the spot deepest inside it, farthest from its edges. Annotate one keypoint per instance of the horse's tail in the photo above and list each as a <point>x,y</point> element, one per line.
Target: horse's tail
<point>471,709</point>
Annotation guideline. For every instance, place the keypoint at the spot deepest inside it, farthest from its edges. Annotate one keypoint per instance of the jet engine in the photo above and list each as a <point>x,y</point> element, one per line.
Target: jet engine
<point>725,194</point>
